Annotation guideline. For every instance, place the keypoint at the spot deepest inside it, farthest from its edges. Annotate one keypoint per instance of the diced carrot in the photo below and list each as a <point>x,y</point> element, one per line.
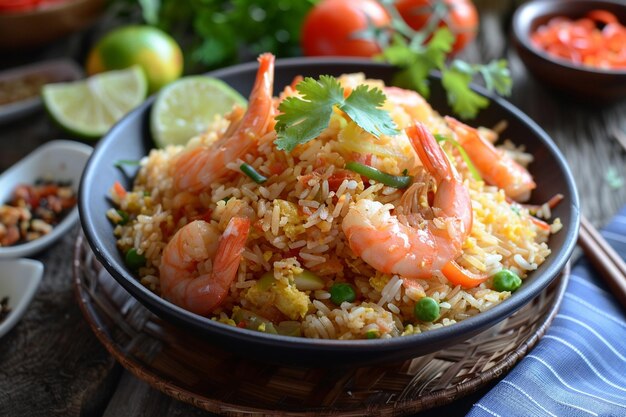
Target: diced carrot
<point>458,275</point>
<point>540,223</point>
<point>119,189</point>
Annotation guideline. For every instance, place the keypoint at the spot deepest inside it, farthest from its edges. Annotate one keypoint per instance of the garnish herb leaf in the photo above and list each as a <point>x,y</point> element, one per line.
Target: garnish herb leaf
<point>215,33</point>
<point>417,53</point>
<point>497,76</point>
<point>364,108</point>
<point>417,60</point>
<point>397,53</point>
<point>303,119</point>
<point>465,102</point>
<point>438,48</point>
<point>613,179</point>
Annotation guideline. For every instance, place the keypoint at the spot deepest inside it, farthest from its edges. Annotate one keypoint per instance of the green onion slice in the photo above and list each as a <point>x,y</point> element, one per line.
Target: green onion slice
<point>466,158</point>
<point>396,181</point>
<point>126,162</point>
<point>251,172</point>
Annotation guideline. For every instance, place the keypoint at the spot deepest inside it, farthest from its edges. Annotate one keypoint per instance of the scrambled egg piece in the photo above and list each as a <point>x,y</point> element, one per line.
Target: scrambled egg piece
<point>295,222</point>
<point>283,295</point>
<point>379,281</point>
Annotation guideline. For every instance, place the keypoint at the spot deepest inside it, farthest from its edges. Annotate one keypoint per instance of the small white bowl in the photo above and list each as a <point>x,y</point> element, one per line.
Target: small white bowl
<point>19,280</point>
<point>59,160</point>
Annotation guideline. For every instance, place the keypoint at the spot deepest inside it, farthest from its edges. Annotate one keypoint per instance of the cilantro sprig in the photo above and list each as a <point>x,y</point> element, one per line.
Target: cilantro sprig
<point>417,53</point>
<point>305,118</point>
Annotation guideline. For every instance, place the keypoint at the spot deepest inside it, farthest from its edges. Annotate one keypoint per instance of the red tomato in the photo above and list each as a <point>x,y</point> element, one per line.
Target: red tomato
<point>330,26</point>
<point>18,6</point>
<point>462,18</point>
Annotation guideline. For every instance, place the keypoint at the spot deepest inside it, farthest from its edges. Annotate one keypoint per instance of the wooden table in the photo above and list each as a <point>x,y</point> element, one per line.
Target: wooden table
<point>52,365</point>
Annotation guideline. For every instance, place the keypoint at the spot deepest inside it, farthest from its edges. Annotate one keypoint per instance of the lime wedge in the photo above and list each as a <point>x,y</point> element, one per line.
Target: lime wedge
<point>187,106</point>
<point>90,107</point>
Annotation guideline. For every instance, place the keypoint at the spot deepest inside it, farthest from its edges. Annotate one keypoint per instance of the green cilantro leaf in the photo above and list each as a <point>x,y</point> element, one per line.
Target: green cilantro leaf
<point>304,119</point>
<point>438,47</point>
<point>397,53</point>
<point>465,102</point>
<point>417,52</point>
<point>363,107</point>
<point>497,76</point>
<point>417,60</point>
<point>613,179</point>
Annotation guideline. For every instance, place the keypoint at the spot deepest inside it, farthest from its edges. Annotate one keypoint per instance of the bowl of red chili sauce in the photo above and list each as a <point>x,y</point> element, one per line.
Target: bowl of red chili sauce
<point>575,46</point>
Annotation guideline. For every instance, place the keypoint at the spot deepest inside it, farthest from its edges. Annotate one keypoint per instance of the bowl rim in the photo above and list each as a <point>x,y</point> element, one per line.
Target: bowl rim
<point>39,244</point>
<point>493,315</point>
<point>525,15</point>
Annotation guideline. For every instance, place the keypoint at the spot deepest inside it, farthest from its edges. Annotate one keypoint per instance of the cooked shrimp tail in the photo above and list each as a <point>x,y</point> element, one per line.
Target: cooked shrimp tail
<point>496,167</point>
<point>197,168</point>
<point>193,244</point>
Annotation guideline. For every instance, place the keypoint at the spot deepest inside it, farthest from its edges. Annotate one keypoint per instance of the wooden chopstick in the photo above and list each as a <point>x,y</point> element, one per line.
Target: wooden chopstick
<point>604,258</point>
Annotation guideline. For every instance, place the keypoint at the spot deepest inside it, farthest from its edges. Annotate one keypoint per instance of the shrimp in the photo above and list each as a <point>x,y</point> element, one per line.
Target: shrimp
<point>196,168</point>
<point>393,247</point>
<point>413,104</point>
<point>495,166</point>
<point>194,243</point>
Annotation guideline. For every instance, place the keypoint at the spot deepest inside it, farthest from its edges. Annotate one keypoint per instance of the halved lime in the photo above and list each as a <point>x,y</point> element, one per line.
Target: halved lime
<point>187,106</point>
<point>90,107</point>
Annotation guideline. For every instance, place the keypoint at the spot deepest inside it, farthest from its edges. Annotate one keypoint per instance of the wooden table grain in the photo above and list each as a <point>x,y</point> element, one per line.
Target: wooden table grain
<point>52,365</point>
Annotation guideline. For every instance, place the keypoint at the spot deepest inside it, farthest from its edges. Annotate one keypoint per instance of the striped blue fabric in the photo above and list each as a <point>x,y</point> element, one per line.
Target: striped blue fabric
<point>579,367</point>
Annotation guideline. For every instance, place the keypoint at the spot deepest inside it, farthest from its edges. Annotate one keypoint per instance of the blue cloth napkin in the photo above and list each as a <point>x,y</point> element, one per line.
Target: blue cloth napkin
<point>579,367</point>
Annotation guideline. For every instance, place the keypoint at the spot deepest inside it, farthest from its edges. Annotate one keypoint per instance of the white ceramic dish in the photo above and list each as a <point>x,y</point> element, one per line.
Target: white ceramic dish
<point>19,280</point>
<point>59,160</point>
<point>59,70</point>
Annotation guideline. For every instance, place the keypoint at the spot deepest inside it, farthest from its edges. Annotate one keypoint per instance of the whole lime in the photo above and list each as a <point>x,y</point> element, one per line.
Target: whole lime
<point>156,52</point>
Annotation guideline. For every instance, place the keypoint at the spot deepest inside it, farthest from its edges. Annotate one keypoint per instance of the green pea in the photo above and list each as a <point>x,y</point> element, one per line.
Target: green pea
<point>124,217</point>
<point>341,292</point>
<point>505,280</point>
<point>134,260</point>
<point>427,309</point>
<point>371,334</point>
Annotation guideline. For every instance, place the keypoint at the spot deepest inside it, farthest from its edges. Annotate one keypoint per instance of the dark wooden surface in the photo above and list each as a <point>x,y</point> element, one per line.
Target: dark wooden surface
<point>52,365</point>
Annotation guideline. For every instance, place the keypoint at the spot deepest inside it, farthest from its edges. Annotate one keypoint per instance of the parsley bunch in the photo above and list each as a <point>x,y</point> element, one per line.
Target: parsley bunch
<point>216,33</point>
<point>304,119</point>
<point>417,53</point>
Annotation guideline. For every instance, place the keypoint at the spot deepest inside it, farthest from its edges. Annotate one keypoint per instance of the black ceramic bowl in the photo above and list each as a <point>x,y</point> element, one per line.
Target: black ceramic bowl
<point>130,139</point>
<point>582,82</point>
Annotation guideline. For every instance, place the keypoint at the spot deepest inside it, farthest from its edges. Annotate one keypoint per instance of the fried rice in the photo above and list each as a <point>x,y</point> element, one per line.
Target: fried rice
<point>296,220</point>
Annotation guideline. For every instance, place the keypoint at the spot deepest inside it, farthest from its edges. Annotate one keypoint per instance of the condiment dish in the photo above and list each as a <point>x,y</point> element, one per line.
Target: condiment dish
<point>19,280</point>
<point>53,71</point>
<point>582,82</point>
<point>59,160</point>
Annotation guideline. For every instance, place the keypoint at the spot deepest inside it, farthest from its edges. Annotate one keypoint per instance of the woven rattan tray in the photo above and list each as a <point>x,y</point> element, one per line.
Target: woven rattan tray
<point>192,370</point>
